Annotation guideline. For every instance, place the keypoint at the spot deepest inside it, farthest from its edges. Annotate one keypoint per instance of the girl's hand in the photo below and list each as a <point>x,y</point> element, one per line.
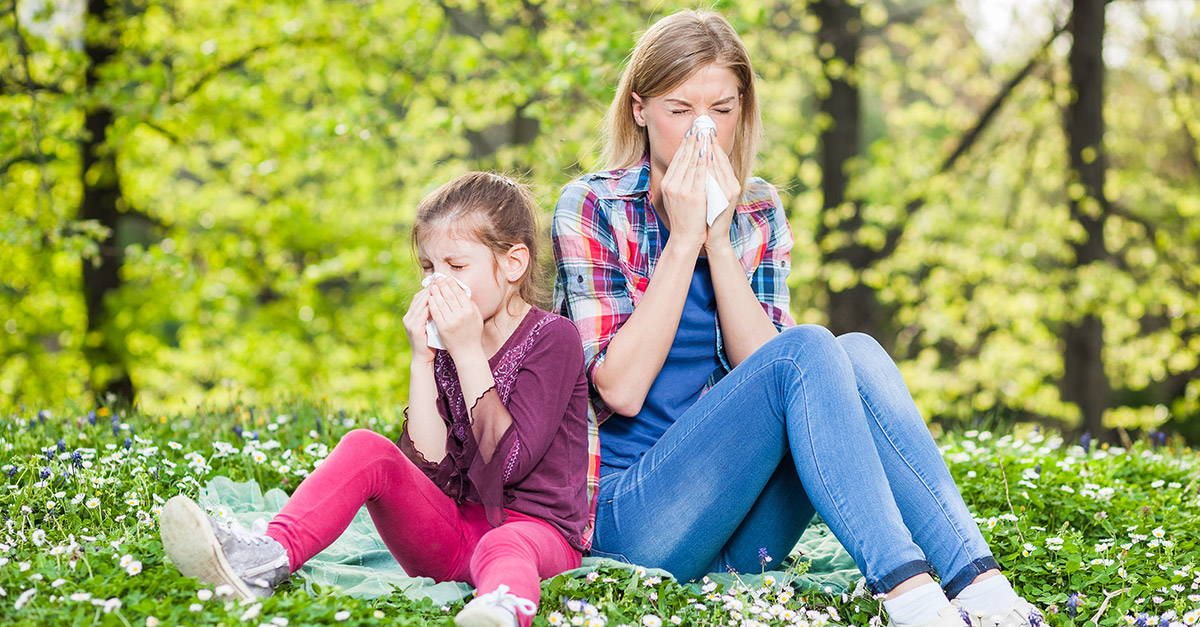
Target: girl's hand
<point>722,171</point>
<point>414,326</point>
<point>458,320</point>
<point>683,194</point>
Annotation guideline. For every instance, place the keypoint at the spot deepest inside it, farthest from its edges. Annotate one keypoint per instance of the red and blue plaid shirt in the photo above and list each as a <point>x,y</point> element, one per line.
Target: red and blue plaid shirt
<point>607,244</point>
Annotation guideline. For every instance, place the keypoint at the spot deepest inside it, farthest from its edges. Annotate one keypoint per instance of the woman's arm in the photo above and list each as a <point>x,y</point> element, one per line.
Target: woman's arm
<point>746,325</point>
<point>632,350</point>
<point>638,350</point>
<point>747,322</point>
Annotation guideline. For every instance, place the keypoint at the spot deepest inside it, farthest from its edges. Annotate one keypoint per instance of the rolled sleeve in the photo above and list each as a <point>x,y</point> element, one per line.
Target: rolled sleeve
<point>769,279</point>
<point>590,288</point>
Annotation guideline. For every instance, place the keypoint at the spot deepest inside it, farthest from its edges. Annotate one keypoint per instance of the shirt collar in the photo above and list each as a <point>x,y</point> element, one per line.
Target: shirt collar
<point>626,183</point>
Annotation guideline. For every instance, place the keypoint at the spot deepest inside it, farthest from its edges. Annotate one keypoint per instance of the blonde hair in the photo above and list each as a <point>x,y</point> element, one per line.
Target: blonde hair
<point>666,55</point>
<point>493,210</point>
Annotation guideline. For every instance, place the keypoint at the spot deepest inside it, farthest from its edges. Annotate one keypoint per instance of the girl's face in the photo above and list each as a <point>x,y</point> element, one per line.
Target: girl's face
<point>711,91</point>
<point>446,250</point>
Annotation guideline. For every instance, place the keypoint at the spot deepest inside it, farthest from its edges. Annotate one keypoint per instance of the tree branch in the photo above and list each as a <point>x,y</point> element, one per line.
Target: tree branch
<point>1175,92</point>
<point>969,138</point>
<point>23,47</point>
<point>213,73</point>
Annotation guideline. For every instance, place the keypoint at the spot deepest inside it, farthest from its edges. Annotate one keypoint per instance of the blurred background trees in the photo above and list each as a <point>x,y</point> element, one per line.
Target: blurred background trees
<point>208,201</point>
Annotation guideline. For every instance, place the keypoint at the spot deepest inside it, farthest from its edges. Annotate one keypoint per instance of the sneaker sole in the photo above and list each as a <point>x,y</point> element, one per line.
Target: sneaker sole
<point>483,617</point>
<point>188,539</point>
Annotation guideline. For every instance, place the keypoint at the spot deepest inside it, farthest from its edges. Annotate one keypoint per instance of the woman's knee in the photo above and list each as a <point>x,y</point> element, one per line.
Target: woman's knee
<point>865,352</point>
<point>811,340</point>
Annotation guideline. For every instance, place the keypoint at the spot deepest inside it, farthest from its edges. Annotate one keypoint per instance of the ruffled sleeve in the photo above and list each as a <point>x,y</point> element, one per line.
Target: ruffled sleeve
<point>491,467</point>
<point>441,473</point>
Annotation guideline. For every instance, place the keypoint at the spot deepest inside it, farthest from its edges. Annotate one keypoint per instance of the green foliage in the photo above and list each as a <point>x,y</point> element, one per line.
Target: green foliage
<point>270,156</point>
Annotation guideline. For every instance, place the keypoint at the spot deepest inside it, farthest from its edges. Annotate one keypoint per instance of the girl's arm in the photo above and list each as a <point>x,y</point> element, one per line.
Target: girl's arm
<point>550,375</point>
<point>424,424</point>
<point>461,327</point>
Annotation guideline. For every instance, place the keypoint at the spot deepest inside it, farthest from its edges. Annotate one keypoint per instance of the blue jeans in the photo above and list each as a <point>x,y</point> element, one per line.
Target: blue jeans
<point>808,423</point>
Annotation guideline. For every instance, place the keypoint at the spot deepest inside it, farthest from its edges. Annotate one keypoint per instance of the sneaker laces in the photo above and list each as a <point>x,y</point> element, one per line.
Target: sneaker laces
<point>511,602</point>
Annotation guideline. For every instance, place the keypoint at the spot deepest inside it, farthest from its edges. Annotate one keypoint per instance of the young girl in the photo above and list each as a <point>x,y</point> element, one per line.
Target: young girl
<point>489,482</point>
<point>724,426</point>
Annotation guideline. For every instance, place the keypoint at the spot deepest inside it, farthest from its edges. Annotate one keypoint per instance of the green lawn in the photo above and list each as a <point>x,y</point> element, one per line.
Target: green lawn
<point>82,491</point>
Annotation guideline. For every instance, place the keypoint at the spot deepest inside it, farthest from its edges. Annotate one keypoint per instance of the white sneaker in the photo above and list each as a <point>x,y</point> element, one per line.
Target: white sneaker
<point>495,609</point>
<point>949,616</point>
<point>251,564</point>
<point>1021,613</point>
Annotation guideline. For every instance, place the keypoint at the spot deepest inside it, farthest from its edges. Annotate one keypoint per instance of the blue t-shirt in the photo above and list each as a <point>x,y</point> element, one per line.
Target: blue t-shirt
<point>689,364</point>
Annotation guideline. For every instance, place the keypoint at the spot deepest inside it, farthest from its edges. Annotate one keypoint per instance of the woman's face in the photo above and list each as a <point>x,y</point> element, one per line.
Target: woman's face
<point>711,91</point>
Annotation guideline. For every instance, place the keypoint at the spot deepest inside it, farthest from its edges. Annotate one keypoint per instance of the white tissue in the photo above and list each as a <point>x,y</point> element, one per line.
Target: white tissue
<point>716,197</point>
<point>431,333</point>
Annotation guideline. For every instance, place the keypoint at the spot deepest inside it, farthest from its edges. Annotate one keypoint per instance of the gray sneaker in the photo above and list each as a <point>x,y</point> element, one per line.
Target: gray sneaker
<point>253,565</point>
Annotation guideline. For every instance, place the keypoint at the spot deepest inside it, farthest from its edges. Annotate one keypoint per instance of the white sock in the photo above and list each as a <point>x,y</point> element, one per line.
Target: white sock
<point>917,605</point>
<point>992,595</point>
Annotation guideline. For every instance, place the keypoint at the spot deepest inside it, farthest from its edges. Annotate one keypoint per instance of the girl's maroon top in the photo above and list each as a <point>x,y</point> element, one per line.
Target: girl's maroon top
<point>539,466</point>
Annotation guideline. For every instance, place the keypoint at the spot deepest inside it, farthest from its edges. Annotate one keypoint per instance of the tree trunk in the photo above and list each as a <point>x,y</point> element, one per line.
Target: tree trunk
<point>855,308</point>
<point>101,202</point>
<point>1084,381</point>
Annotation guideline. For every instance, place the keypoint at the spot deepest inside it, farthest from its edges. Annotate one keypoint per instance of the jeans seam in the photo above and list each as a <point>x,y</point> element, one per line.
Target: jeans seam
<point>941,507</point>
<point>820,474</point>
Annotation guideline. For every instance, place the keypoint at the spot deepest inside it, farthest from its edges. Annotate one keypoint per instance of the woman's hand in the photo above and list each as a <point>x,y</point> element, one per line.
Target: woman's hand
<point>722,171</point>
<point>683,192</point>
<point>414,326</point>
<point>459,323</point>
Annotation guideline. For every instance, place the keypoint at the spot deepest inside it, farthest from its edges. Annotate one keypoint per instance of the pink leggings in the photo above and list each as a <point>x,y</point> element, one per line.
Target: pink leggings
<point>427,532</point>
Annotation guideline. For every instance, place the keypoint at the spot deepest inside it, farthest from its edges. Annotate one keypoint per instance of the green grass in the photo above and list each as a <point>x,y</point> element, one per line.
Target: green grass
<point>80,502</point>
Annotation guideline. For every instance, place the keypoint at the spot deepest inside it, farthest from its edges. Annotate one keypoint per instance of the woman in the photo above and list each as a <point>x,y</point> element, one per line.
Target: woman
<point>718,441</point>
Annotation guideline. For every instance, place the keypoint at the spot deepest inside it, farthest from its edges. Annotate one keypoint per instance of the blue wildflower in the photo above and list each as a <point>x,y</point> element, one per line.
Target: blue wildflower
<point>1038,469</point>
<point>50,454</point>
<point>1162,438</point>
<point>62,445</point>
<point>46,474</point>
<point>966,616</point>
<point>77,459</point>
<point>237,430</point>
<point>12,470</point>
<point>1073,604</point>
<point>254,434</point>
<point>91,418</point>
<point>43,415</point>
<point>318,425</point>
<point>1086,441</point>
<point>1164,622</point>
<point>763,557</point>
<point>128,443</point>
<point>1141,620</point>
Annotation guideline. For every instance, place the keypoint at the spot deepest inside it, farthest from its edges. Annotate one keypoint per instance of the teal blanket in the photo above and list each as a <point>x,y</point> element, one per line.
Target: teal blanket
<point>360,564</point>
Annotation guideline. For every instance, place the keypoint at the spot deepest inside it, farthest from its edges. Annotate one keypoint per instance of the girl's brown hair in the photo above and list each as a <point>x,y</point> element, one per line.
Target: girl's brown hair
<point>492,209</point>
<point>666,55</point>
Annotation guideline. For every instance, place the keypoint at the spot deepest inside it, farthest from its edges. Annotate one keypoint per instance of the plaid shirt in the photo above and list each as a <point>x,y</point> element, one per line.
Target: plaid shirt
<point>607,243</point>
